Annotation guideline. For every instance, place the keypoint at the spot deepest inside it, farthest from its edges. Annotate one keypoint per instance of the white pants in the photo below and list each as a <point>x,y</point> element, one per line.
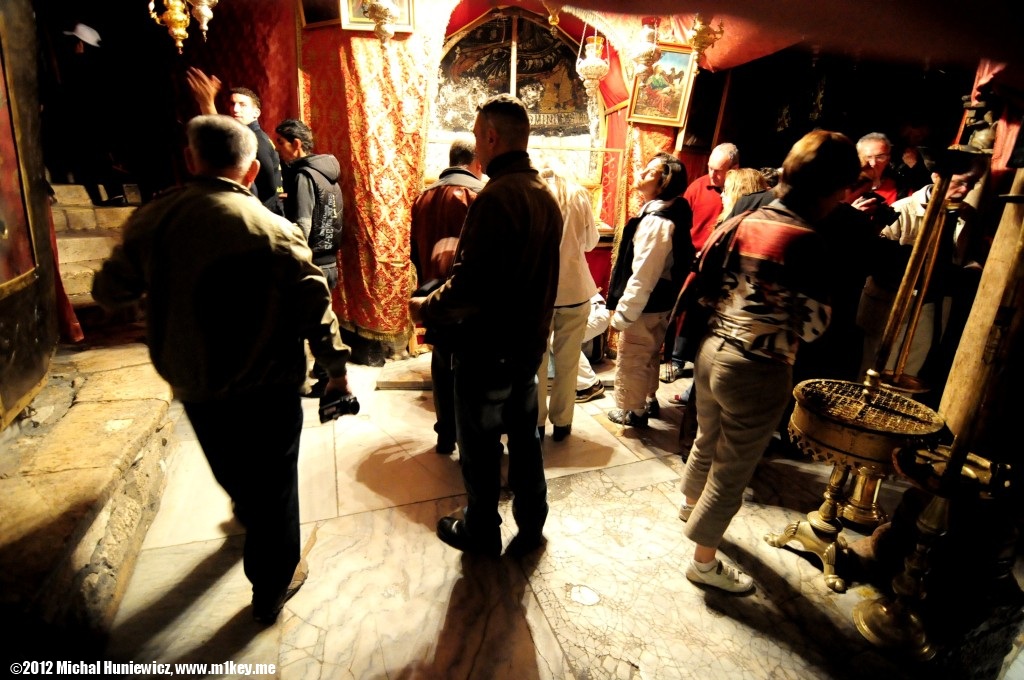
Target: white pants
<point>636,375</point>
<point>597,323</point>
<point>568,326</point>
<point>872,315</point>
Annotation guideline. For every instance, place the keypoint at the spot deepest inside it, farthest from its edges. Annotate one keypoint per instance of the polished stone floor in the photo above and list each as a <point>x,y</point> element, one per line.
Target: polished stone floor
<point>385,598</point>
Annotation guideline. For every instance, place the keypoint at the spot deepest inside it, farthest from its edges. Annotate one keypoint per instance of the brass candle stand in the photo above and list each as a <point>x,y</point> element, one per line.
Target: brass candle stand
<point>856,430</point>
<point>946,472</point>
<point>820,533</point>
<point>949,473</point>
<point>894,623</point>
<point>857,427</point>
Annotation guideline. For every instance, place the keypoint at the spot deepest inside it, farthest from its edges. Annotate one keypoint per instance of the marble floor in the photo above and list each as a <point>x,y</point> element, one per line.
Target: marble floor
<point>385,598</point>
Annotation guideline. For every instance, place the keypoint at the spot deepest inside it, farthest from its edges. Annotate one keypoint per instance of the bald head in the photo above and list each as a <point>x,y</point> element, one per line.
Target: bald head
<point>723,158</point>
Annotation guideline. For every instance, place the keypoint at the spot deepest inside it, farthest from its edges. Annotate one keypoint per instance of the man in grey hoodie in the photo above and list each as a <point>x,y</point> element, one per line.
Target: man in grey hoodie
<point>312,194</point>
<point>312,199</point>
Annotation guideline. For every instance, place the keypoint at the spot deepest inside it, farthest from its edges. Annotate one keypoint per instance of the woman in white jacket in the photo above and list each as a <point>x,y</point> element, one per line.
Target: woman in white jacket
<point>654,256</point>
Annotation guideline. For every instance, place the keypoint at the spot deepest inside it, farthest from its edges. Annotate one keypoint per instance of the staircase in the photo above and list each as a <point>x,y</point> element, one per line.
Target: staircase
<point>86,234</point>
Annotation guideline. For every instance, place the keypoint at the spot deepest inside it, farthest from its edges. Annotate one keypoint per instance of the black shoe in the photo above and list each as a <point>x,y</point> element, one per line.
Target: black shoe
<point>317,389</point>
<point>266,613</point>
<point>591,393</point>
<point>540,431</point>
<point>445,448</point>
<point>624,416</point>
<point>653,409</point>
<point>561,432</point>
<point>453,532</point>
<point>524,544</point>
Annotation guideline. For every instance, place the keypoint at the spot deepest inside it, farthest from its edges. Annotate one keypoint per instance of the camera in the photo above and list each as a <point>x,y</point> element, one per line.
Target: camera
<point>335,405</point>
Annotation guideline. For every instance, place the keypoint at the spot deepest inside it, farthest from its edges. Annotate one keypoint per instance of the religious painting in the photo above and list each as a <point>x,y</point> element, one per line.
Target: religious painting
<point>16,256</point>
<point>514,53</point>
<point>479,65</point>
<point>661,95</point>
<point>355,16</point>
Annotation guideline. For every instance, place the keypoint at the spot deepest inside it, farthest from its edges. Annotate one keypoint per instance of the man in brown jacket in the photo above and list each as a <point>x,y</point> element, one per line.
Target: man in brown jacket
<point>437,218</point>
<point>230,294</point>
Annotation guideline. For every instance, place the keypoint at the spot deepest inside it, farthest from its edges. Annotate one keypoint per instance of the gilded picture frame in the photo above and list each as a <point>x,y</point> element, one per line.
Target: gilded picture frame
<point>661,96</point>
<point>353,16</point>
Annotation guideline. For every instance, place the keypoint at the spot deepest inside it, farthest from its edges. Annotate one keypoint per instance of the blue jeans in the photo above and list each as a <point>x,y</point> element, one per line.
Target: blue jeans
<point>330,272</point>
<point>494,396</point>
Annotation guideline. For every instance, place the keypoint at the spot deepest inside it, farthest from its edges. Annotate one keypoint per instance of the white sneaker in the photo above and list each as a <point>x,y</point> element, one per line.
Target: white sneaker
<point>724,576</point>
<point>684,511</point>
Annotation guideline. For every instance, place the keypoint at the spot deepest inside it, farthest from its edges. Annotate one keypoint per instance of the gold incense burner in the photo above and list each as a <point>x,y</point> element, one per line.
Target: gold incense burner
<point>857,430</point>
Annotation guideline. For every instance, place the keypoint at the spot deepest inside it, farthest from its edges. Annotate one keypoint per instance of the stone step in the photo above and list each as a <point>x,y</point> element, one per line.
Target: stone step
<point>82,479</point>
<point>81,246</point>
<point>71,194</point>
<point>78,276</point>
<point>113,217</point>
<point>82,218</point>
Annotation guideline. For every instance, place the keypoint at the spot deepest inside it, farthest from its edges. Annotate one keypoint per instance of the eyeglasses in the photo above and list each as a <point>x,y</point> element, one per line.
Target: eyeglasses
<point>877,158</point>
<point>962,182</point>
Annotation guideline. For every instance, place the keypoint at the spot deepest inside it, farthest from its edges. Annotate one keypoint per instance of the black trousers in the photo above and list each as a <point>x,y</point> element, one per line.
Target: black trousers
<point>442,378</point>
<point>252,444</point>
<point>495,396</point>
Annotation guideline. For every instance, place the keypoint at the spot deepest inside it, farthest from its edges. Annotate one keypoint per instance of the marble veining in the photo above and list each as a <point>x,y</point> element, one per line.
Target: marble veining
<point>606,597</point>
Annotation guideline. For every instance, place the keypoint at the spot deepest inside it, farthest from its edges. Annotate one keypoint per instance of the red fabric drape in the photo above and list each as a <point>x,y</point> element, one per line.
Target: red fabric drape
<point>613,92</point>
<point>252,44</point>
<point>1007,125</point>
<point>67,320</point>
<point>367,106</point>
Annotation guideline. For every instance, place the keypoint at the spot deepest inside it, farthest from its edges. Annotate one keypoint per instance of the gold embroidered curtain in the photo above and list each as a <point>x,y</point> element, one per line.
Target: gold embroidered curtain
<point>367,103</point>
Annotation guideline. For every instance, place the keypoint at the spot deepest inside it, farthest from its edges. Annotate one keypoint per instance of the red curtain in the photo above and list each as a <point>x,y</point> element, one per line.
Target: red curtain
<point>368,107</point>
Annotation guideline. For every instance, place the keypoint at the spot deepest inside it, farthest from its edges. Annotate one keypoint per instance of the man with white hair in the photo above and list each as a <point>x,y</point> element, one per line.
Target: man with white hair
<point>874,150</point>
<point>230,294</point>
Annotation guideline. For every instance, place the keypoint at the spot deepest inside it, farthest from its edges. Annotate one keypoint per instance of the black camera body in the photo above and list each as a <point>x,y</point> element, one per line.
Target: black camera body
<point>334,406</point>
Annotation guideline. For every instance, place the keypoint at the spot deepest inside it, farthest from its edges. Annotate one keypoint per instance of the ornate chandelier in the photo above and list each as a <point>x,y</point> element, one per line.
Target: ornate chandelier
<point>645,51</point>
<point>175,17</point>
<point>591,69</point>
<point>554,8</point>
<point>701,35</point>
<point>202,10</point>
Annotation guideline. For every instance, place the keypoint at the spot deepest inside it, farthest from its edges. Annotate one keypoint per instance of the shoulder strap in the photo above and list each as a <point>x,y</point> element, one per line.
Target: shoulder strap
<point>724,234</point>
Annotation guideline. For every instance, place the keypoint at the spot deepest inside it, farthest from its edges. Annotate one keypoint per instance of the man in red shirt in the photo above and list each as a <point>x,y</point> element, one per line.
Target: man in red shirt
<point>705,193</point>
<point>705,198</point>
<point>874,151</point>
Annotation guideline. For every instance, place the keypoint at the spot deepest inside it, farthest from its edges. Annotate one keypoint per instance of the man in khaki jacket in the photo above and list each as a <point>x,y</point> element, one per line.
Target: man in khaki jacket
<point>230,294</point>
